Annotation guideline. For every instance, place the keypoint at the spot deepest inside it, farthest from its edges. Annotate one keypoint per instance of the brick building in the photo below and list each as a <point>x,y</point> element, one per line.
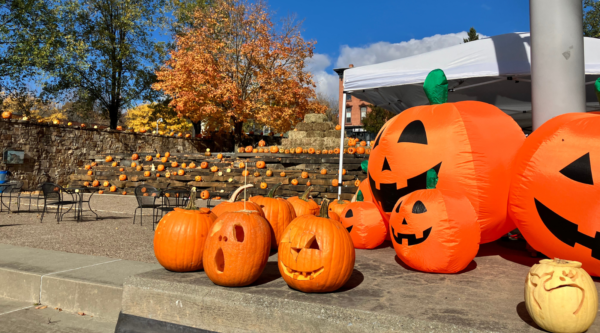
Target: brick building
<point>354,111</point>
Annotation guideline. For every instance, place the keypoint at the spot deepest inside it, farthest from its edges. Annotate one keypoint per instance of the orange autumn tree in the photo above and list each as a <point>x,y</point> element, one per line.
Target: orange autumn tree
<point>235,65</point>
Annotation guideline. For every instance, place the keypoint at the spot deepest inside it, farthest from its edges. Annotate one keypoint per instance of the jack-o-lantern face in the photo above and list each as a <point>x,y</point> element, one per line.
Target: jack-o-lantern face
<point>365,224</point>
<point>555,189</point>
<point>316,254</point>
<point>560,296</point>
<point>237,249</point>
<point>435,231</point>
<point>471,145</point>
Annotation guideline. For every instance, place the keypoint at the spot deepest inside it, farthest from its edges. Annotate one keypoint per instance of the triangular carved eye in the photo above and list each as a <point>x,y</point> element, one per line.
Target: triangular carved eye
<point>386,165</point>
<point>419,208</point>
<point>414,132</point>
<point>580,170</point>
<point>349,214</point>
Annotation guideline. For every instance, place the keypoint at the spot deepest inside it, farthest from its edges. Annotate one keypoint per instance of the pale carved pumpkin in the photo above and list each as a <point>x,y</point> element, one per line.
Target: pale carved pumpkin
<point>560,296</point>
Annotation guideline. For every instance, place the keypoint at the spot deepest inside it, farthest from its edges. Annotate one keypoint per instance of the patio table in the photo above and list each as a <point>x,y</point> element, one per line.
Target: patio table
<point>79,192</point>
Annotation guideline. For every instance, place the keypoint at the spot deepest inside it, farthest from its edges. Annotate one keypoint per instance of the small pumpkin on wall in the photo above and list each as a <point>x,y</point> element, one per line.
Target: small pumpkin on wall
<point>237,249</point>
<point>180,237</point>
<point>160,167</point>
<point>560,296</point>
<point>122,177</point>
<point>260,164</point>
<point>435,231</point>
<point>316,253</point>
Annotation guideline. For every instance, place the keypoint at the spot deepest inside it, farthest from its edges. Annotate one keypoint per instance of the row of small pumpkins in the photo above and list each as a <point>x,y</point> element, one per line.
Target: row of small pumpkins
<point>300,150</point>
<point>232,242</point>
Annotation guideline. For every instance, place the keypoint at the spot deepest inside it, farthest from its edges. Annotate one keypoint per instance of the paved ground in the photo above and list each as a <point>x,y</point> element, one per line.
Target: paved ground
<point>113,235</point>
<point>16,316</point>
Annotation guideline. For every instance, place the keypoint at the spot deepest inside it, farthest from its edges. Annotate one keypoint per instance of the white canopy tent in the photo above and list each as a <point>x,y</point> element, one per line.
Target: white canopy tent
<point>495,70</point>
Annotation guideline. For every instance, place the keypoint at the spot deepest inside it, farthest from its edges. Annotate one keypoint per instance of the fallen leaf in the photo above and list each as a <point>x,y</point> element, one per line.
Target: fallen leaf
<point>81,313</point>
<point>41,307</point>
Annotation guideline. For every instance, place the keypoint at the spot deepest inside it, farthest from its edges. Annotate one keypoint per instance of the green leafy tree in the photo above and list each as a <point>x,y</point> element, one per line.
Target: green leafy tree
<point>472,35</point>
<point>591,18</point>
<point>375,119</point>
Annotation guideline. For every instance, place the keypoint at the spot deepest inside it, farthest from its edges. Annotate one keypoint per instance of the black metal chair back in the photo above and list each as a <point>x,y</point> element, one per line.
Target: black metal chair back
<point>52,192</point>
<point>146,195</point>
<point>178,196</point>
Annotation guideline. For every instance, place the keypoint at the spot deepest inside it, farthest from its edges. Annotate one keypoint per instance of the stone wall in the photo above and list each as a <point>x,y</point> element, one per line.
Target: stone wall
<point>52,153</point>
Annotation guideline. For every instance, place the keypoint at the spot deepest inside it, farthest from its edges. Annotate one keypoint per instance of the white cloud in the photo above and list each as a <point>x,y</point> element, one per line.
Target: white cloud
<point>327,81</point>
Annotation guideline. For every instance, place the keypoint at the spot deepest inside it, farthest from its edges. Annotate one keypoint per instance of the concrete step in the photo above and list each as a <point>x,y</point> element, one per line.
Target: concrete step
<point>73,282</point>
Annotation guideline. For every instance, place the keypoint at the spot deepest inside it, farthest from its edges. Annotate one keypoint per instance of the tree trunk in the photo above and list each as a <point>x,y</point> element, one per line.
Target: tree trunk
<point>237,133</point>
<point>197,127</point>
<point>113,113</point>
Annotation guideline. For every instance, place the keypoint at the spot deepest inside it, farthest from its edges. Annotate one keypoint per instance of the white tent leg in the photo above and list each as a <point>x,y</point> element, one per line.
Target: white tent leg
<point>342,132</point>
<point>557,59</point>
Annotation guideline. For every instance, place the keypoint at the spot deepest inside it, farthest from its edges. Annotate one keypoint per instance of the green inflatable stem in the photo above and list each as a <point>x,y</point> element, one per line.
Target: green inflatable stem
<point>364,165</point>
<point>436,87</point>
<point>597,89</point>
<point>359,196</point>
<point>432,179</point>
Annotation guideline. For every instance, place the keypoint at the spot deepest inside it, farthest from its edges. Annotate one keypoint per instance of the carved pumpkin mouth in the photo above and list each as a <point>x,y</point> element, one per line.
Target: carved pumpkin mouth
<point>411,238</point>
<point>566,231</point>
<point>388,193</point>
<point>302,276</point>
<point>220,261</point>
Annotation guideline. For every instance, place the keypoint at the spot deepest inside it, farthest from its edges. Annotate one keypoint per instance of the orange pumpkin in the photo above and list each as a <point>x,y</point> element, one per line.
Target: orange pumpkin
<point>174,165</point>
<point>237,249</point>
<point>180,237</point>
<point>318,152</point>
<point>282,174</point>
<point>249,149</point>
<point>256,174</point>
<point>108,159</point>
<point>204,195</point>
<point>214,168</point>
<point>241,165</point>
<point>198,178</point>
<point>245,173</point>
<point>168,175</point>
<point>255,150</point>
<point>323,171</point>
<point>260,150</point>
<point>338,127</point>
<point>304,174</point>
<point>139,168</point>
<point>184,165</point>
<point>311,150</point>
<point>100,192</point>
<point>316,253</point>
<point>287,151</point>
<point>554,197</point>
<point>357,183</point>
<point>146,173</point>
<point>160,167</point>
<point>470,144</point>
<point>240,150</point>
<point>114,164</point>
<point>220,156</point>
<point>345,150</point>
<point>304,151</point>
<point>233,206</point>
<point>157,175</point>
<point>338,206</point>
<point>263,185</point>
<point>86,184</point>
<point>181,172</point>
<point>294,182</point>
<point>308,183</point>
<point>122,177</point>
<point>303,204</point>
<point>261,143</point>
<point>167,154</point>
<point>351,142</point>
<point>299,150</point>
<point>95,183</point>
<point>87,167</point>
<point>344,172</point>
<point>6,115</point>
<point>332,151</point>
<point>106,184</point>
<point>360,150</point>
<point>204,165</point>
<point>133,164</point>
<point>90,173</point>
<point>148,158</point>
<point>274,149</point>
<point>365,224</point>
<point>157,155</point>
<point>260,164</point>
<point>113,188</point>
<point>94,164</point>
<point>121,169</point>
<point>335,182</point>
<point>164,159</point>
<point>278,212</point>
<point>135,157</point>
<point>363,143</point>
<point>335,151</point>
<point>192,165</point>
<point>269,173</point>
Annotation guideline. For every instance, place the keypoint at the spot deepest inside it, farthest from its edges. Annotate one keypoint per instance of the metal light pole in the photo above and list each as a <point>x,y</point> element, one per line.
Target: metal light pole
<point>342,132</point>
<point>557,60</point>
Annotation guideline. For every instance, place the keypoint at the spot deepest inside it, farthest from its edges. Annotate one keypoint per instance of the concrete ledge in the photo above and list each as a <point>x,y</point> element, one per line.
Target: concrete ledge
<point>382,296</point>
<point>73,282</point>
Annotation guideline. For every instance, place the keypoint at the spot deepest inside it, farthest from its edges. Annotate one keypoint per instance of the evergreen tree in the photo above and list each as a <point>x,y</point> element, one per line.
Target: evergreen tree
<point>472,34</point>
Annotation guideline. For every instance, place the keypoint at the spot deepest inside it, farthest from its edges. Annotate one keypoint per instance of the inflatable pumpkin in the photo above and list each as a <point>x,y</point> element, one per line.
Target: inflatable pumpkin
<point>364,224</point>
<point>316,253</point>
<point>471,145</point>
<point>435,231</point>
<point>555,192</point>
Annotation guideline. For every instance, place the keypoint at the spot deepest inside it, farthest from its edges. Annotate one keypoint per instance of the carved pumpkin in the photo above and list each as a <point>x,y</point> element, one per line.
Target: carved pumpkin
<point>304,151</point>
<point>260,164</point>
<point>148,158</point>
<point>180,237</point>
<point>331,151</point>
<point>261,143</point>
<point>335,151</point>
<point>6,115</point>
<point>139,168</point>
<point>471,145</point>
<point>192,165</point>
<point>278,212</point>
<point>108,159</point>
<point>351,150</point>
<point>256,174</point>
<point>365,224</point>
<point>135,157</point>
<point>287,151</point>
<point>248,149</point>
<point>360,150</point>
<point>351,142</point>
<point>122,177</point>
<point>435,231</point>
<point>106,184</point>
<point>233,206</point>
<point>316,253</point>
<point>263,185</point>
<point>554,196</point>
<point>260,150</point>
<point>181,172</point>
<point>363,143</point>
<point>168,175</point>
<point>164,159</point>
<point>204,165</point>
<point>240,150</point>
<point>560,296</point>
<point>311,150</point>
<point>237,249</point>
<point>204,195</point>
<point>303,204</point>
<point>318,152</point>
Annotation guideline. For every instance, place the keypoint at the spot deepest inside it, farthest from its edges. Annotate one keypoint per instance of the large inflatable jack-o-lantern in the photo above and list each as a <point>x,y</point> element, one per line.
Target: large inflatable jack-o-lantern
<point>471,145</point>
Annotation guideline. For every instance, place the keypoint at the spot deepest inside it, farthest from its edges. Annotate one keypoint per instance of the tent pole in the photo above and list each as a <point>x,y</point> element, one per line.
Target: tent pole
<point>557,60</point>
<point>342,132</point>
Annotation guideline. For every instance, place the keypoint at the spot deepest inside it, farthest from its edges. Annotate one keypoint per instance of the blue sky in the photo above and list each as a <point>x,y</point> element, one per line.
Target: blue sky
<point>365,32</point>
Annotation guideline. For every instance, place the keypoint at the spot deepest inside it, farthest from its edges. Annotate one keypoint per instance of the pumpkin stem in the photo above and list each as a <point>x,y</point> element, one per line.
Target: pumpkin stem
<point>432,179</point>
<point>273,190</point>
<point>597,88</point>
<point>436,87</point>
<point>358,196</point>
<point>192,203</point>
<point>324,209</point>
<point>238,191</point>
<point>306,193</point>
